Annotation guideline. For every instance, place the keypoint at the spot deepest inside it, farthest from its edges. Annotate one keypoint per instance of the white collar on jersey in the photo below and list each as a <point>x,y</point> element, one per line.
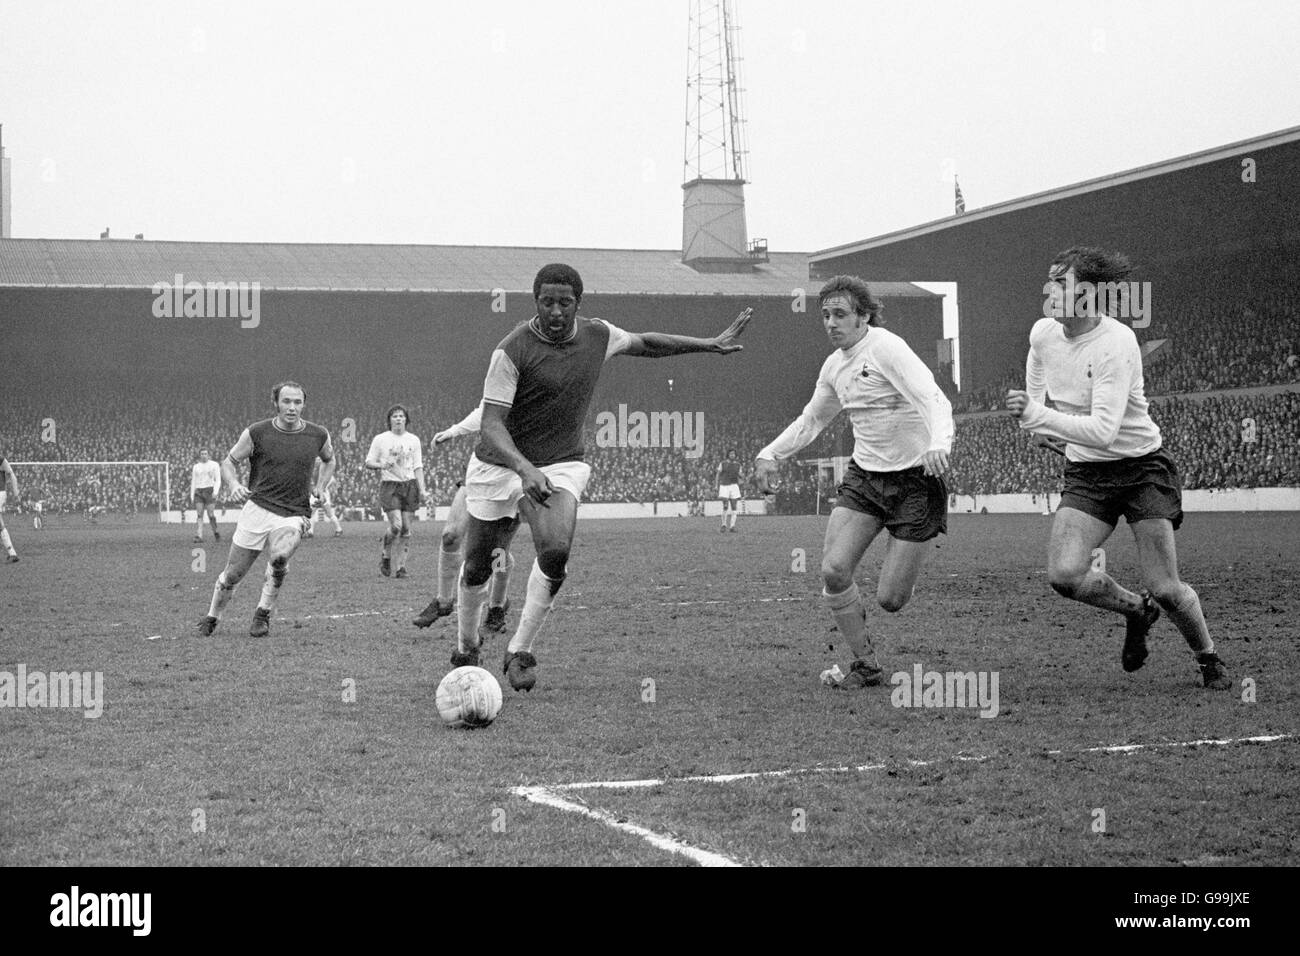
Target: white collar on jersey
<point>535,326</point>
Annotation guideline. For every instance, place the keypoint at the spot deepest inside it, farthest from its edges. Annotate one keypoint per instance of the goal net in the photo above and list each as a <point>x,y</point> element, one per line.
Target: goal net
<point>92,487</point>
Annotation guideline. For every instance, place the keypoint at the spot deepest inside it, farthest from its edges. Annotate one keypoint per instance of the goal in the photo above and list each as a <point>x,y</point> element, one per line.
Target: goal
<point>104,487</point>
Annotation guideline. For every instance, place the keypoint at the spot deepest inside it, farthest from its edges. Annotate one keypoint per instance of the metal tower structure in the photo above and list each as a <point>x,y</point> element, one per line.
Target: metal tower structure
<point>715,124</point>
<point>714,237</point>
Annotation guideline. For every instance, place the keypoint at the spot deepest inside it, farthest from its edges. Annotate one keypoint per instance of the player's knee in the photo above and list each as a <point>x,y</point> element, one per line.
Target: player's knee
<point>553,560</point>
<point>476,570</point>
<point>893,601</point>
<point>1066,581</point>
<point>837,577</point>
<point>1168,593</point>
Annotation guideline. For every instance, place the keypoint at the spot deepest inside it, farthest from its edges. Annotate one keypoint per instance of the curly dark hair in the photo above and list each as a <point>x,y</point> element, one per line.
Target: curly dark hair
<point>1094,264</point>
<point>559,274</point>
<point>859,293</point>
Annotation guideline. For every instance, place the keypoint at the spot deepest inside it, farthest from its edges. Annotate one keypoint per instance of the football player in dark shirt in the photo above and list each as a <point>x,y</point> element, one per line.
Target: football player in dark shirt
<point>529,457</point>
<point>281,452</point>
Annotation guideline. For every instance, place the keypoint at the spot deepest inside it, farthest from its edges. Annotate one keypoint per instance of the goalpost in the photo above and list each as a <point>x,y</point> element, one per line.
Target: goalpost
<point>56,482</point>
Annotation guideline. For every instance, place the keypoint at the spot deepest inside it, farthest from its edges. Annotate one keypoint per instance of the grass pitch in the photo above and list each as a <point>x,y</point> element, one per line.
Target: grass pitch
<point>674,651</point>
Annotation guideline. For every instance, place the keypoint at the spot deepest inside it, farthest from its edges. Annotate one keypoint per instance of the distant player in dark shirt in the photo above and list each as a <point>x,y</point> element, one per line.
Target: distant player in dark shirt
<point>729,490</point>
<point>281,452</point>
<point>529,458</point>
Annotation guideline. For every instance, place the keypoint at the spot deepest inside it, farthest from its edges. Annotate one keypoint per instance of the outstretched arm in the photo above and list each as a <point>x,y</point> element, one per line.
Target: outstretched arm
<point>662,345</point>
<point>817,414</point>
<point>466,426</point>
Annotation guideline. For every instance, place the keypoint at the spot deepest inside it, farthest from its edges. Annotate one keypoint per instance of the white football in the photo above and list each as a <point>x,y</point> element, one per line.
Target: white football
<point>469,697</point>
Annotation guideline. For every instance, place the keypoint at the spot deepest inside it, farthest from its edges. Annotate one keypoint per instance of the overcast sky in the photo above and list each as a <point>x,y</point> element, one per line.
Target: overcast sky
<point>562,123</point>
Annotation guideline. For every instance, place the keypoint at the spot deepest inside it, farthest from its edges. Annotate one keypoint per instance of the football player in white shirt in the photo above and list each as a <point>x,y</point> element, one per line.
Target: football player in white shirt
<point>205,484</point>
<point>8,485</point>
<point>450,557</point>
<point>1091,367</point>
<point>903,432</point>
<point>396,454</point>
<point>325,506</point>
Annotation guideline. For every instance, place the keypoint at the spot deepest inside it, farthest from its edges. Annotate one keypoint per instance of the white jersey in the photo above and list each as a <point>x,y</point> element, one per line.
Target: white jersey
<point>399,454</point>
<point>897,409</point>
<point>205,474</point>
<point>1095,380</point>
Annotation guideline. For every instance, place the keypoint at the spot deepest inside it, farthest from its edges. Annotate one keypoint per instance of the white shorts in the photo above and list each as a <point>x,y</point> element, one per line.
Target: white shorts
<point>3,496</point>
<point>256,525</point>
<point>729,492</point>
<point>493,492</point>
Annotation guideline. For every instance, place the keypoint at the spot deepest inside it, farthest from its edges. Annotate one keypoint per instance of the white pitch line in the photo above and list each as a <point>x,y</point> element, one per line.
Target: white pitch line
<point>660,841</point>
<point>1132,748</point>
<point>549,795</point>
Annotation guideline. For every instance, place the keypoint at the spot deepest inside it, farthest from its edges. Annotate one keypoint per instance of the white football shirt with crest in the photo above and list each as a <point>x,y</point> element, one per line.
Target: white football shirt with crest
<point>896,407</point>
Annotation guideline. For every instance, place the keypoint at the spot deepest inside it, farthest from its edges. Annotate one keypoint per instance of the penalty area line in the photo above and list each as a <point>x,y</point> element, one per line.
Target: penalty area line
<point>550,795</point>
<point>660,841</point>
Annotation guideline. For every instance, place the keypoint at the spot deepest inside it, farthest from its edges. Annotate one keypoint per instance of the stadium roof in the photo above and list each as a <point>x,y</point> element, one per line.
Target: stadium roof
<point>1279,138</point>
<point>140,264</point>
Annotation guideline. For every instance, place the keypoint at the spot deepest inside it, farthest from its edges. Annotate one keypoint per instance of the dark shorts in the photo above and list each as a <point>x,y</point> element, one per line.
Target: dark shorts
<point>1137,488</point>
<point>203,496</point>
<point>913,505</point>
<point>399,495</point>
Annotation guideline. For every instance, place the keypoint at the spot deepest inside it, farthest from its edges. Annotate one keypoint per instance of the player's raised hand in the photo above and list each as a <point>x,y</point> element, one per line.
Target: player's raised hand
<point>934,463</point>
<point>726,342</point>
<point>765,475</point>
<point>1017,402</point>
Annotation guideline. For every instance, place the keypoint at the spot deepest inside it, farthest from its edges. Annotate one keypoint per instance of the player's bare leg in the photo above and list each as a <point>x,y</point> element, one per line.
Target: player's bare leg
<point>281,544</point>
<point>237,565</point>
<point>481,539</point>
<point>1158,556</point>
<point>403,544</point>
<point>899,571</point>
<point>848,535</point>
<point>1072,574</point>
<point>449,562</point>
<point>391,533</point>
<point>552,525</point>
<point>1075,535</point>
<point>11,556</point>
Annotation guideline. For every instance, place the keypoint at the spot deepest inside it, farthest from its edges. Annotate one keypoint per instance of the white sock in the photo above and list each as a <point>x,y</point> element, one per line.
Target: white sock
<point>847,610</point>
<point>403,549</point>
<point>221,596</point>
<point>448,573</point>
<point>7,542</point>
<point>501,569</point>
<point>536,609</point>
<point>469,608</point>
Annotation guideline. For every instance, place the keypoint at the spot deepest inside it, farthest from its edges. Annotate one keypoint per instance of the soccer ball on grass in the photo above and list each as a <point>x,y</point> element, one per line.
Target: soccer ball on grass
<point>469,697</point>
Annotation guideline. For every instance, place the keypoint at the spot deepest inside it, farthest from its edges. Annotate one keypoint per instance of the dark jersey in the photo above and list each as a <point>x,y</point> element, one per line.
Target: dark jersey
<point>548,387</point>
<point>729,473</point>
<point>281,465</point>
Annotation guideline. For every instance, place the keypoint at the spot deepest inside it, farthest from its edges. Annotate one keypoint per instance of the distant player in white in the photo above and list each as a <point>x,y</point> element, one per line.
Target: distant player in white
<point>903,432</point>
<point>450,555</point>
<point>8,486</point>
<point>1091,367</point>
<point>729,490</point>
<point>396,455</point>
<point>205,484</point>
<point>325,505</point>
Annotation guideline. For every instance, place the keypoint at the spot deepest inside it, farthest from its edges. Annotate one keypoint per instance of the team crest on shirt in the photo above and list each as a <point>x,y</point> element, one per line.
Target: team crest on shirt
<point>866,370</point>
